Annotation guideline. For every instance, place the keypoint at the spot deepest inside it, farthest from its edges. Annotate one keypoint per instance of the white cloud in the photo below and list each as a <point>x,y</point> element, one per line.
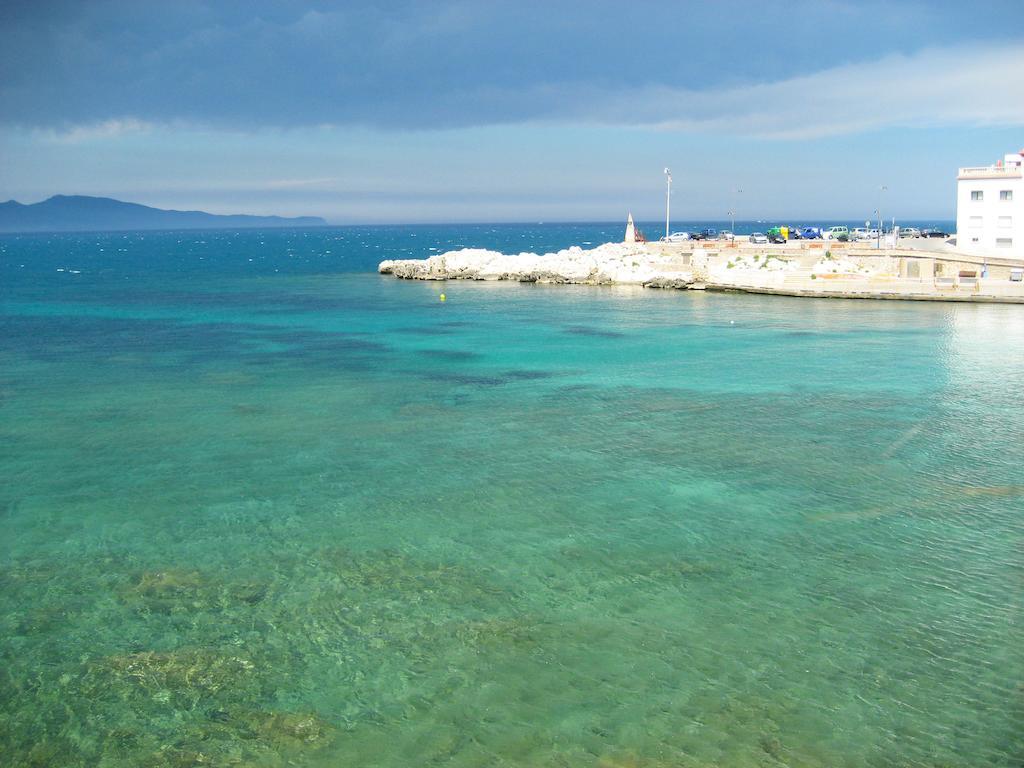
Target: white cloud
<point>100,131</point>
<point>325,181</point>
<point>962,86</point>
<point>965,86</point>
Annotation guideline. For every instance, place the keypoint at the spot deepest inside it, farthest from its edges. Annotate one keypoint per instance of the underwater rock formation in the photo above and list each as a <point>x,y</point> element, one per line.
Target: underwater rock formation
<point>184,674</point>
<point>171,591</point>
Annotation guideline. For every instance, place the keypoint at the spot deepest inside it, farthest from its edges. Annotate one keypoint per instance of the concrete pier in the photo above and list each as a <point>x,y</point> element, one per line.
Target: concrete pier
<point>829,269</point>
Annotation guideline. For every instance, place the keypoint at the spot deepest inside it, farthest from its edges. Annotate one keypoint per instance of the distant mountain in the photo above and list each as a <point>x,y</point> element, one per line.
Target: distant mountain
<point>78,213</point>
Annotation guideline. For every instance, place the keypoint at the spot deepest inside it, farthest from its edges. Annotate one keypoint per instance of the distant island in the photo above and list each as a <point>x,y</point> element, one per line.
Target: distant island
<point>82,213</point>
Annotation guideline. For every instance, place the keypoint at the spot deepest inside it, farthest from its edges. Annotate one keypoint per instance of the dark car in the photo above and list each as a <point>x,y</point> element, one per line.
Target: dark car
<point>934,233</point>
<point>810,233</point>
<point>705,234</point>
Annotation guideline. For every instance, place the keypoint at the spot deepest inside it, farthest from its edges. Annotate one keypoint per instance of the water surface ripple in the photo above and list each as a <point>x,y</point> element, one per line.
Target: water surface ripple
<point>289,512</point>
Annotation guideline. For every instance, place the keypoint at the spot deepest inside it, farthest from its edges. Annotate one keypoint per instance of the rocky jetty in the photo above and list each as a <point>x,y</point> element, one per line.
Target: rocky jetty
<point>608,264</point>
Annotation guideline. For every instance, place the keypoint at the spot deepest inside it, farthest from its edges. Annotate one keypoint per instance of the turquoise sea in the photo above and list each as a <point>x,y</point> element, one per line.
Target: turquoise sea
<point>260,506</point>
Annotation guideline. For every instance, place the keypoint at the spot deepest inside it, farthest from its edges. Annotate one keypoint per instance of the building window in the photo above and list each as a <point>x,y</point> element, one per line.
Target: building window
<point>1005,222</point>
<point>977,194</point>
<point>974,222</point>
<point>1004,242</point>
<point>1006,194</point>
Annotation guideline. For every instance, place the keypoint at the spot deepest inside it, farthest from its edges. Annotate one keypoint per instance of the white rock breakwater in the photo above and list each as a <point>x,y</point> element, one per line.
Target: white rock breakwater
<point>611,263</point>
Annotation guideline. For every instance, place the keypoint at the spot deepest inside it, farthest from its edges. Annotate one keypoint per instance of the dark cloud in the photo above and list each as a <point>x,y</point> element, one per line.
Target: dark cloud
<point>414,64</point>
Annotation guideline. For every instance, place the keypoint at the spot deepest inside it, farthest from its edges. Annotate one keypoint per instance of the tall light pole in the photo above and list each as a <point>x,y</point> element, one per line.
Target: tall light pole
<point>668,198</point>
<point>881,189</point>
<point>732,208</point>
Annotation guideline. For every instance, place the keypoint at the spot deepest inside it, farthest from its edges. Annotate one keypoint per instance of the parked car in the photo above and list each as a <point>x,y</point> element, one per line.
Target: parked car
<point>861,233</point>
<point>677,237</point>
<point>759,238</point>
<point>810,233</point>
<point>725,234</point>
<point>778,234</point>
<point>837,233</point>
<point>706,234</point>
<point>934,233</point>
<point>909,232</point>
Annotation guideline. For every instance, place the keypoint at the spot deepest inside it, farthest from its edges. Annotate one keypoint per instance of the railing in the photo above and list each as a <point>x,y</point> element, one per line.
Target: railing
<point>990,172</point>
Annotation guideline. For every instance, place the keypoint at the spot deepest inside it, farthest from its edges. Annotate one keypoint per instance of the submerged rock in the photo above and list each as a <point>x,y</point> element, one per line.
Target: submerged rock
<point>250,593</point>
<point>179,678</point>
<point>291,730</point>
<point>163,590</point>
<point>244,738</point>
<point>171,591</point>
<point>186,707</point>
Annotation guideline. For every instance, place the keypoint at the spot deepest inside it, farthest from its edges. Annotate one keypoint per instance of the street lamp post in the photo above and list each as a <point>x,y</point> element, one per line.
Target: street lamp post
<point>881,189</point>
<point>732,209</point>
<point>668,198</point>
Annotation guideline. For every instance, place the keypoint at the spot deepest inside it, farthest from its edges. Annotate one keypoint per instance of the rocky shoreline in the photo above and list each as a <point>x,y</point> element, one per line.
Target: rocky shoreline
<point>608,264</point>
<point>813,272</point>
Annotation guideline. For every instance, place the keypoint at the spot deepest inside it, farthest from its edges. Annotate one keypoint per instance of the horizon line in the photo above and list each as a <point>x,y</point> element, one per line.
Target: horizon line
<point>10,233</point>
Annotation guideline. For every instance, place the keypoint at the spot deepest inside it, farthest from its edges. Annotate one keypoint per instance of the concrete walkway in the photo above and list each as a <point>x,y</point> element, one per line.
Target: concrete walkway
<point>998,292</point>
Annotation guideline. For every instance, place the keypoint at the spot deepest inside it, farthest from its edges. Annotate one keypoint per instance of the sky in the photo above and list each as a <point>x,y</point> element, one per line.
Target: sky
<point>486,110</point>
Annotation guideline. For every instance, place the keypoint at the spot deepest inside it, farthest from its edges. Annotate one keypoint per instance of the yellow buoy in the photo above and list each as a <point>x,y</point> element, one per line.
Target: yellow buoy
<point>442,297</point>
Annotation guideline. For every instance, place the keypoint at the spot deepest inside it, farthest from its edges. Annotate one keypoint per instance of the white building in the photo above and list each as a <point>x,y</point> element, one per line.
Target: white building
<point>990,208</point>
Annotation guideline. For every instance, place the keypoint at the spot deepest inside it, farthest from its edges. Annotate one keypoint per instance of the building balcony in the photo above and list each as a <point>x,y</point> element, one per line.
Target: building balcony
<point>991,172</point>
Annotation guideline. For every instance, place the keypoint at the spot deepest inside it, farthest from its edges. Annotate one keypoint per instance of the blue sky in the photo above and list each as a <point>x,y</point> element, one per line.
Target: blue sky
<point>508,111</point>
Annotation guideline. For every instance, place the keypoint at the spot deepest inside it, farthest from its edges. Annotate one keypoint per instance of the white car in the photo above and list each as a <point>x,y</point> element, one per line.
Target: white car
<point>759,238</point>
<point>909,232</point>
<point>678,237</point>
<point>861,233</point>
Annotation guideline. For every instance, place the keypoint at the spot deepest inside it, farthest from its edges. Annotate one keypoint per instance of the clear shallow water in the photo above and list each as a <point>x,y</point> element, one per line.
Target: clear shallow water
<point>313,516</point>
